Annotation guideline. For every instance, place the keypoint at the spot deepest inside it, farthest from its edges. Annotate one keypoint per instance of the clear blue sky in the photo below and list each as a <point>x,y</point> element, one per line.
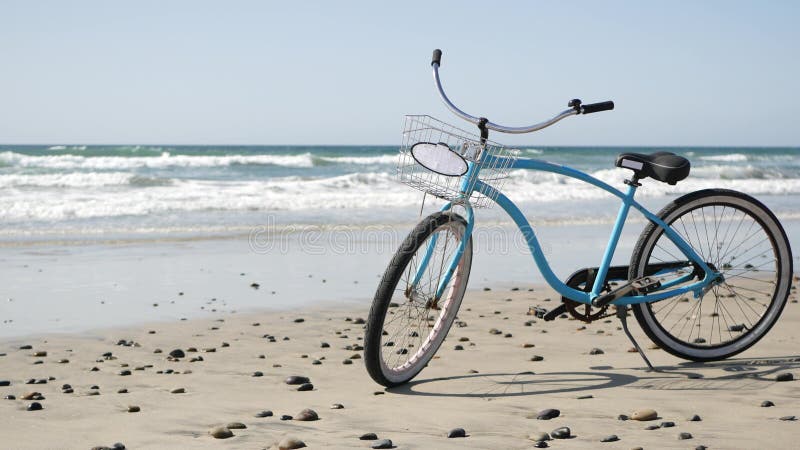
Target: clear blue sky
<point>344,72</point>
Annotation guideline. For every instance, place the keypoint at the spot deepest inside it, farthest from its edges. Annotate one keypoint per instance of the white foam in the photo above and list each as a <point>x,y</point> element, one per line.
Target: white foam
<point>733,157</point>
<point>371,160</point>
<point>166,160</point>
<point>71,180</point>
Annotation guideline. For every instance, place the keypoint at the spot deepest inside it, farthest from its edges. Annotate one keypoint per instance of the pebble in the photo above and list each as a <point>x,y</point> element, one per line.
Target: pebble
<point>695,418</point>
<point>538,437</point>
<point>39,354</point>
<point>265,413</point>
<point>667,424</point>
<point>786,376</point>
<point>537,358</point>
<point>221,433</point>
<point>290,443</point>
<point>258,373</point>
<point>767,404</point>
<point>652,427</point>
<point>547,414</point>
<point>121,391</point>
<point>368,437</point>
<point>786,418</point>
<point>134,409</point>
<point>458,347</point>
<point>5,383</point>
<point>337,406</point>
<point>286,417</point>
<point>644,414</point>
<point>305,387</point>
<point>177,353</point>
<point>540,444</point>
<point>124,373</point>
<point>178,391</point>
<point>236,426</point>
<point>10,397</point>
<point>383,443</point>
<point>350,361</point>
<point>561,433</point>
<point>584,397</point>
<point>297,379</point>
<point>32,396</point>
<point>684,435</point>
<point>35,406</point>
<point>596,351</point>
<point>623,417</point>
<point>457,433</point>
<point>324,345</point>
<point>307,415</point>
<point>612,438</point>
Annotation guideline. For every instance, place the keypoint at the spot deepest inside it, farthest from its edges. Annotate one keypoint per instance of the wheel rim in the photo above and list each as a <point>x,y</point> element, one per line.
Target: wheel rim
<point>742,247</point>
<point>413,330</point>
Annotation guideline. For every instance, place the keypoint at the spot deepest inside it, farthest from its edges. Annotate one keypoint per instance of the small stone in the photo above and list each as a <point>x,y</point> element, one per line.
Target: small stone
<point>612,438</point>
<point>32,396</point>
<point>623,417</point>
<point>124,373</point>
<point>767,404</point>
<point>695,418</point>
<point>540,444</point>
<point>265,413</point>
<point>324,345</point>
<point>134,409</point>
<point>305,387</point>
<point>5,383</point>
<point>547,414</point>
<point>307,415</point>
<point>684,435</point>
<point>458,347</point>
<point>788,418</point>
<point>786,376</point>
<point>258,373</point>
<point>652,427</point>
<point>26,347</point>
<point>368,437</point>
<point>121,391</point>
<point>585,397</point>
<point>178,391</point>
<point>457,433</point>
<point>537,358</point>
<point>667,424</point>
<point>316,362</point>
<point>383,443</point>
<point>286,417</point>
<point>299,320</point>
<point>290,443</point>
<point>236,426</point>
<point>561,433</point>
<point>349,361</point>
<point>538,437</point>
<point>177,353</point>
<point>221,433</point>
<point>528,345</point>
<point>297,379</point>
<point>495,331</point>
<point>35,406</point>
<point>596,351</point>
<point>644,414</point>
<point>10,397</point>
<point>337,406</point>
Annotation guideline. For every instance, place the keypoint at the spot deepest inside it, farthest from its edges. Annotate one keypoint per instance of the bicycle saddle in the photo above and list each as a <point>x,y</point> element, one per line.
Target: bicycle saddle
<point>662,166</point>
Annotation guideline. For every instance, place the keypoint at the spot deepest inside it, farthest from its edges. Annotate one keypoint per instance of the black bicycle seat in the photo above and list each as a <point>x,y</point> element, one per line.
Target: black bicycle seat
<point>662,166</point>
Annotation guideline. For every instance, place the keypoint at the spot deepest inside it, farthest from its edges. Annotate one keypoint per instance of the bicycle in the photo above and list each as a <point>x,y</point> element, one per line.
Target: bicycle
<point>717,247</point>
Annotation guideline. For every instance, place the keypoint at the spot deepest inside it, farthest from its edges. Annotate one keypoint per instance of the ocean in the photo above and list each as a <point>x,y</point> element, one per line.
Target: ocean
<point>106,191</point>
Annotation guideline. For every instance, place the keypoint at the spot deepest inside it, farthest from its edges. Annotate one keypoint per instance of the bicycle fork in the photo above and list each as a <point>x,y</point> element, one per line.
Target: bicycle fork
<point>454,261</point>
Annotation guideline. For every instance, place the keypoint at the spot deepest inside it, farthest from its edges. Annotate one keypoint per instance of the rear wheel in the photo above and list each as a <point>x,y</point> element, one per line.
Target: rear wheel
<point>406,325</point>
<point>739,237</point>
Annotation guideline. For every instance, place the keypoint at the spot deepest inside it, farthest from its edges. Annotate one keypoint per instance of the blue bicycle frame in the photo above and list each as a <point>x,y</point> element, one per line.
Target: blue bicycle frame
<point>470,183</point>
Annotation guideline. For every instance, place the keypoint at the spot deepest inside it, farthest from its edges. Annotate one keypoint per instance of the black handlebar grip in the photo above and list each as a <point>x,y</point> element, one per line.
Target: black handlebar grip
<point>597,107</point>
<point>437,57</point>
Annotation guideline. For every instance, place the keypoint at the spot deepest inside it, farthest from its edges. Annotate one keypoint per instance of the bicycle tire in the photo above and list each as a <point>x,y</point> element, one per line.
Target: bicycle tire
<point>422,348</point>
<point>738,296</point>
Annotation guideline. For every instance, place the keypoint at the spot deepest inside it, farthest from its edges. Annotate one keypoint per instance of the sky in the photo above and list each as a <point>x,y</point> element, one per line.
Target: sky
<point>685,73</point>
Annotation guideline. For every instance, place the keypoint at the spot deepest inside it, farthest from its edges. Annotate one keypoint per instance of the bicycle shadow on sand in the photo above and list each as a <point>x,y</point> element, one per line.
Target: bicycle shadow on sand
<point>732,374</point>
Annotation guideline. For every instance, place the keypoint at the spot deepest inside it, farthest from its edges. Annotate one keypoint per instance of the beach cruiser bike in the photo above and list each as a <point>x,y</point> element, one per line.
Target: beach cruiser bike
<point>708,277</point>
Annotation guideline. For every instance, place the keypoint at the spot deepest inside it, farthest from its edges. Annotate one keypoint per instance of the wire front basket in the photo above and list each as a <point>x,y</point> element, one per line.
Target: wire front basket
<point>426,129</point>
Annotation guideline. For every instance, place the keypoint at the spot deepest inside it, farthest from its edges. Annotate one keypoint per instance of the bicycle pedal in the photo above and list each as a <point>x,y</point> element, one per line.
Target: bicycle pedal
<point>555,313</point>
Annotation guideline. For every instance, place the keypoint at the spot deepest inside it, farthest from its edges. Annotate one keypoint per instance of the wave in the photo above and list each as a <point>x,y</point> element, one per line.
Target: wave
<point>733,157</point>
<point>167,160</point>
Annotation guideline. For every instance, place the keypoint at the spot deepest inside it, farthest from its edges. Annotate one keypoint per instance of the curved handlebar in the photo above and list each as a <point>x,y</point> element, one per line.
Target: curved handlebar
<point>575,108</point>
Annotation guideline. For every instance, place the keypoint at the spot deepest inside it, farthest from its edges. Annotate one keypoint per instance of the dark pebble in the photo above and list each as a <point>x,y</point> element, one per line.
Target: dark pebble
<point>584,397</point>
<point>305,387</point>
<point>383,443</point>
<point>652,427</point>
<point>35,406</point>
<point>5,383</point>
<point>540,444</point>
<point>324,345</point>
<point>10,397</point>
<point>612,438</point>
<point>258,374</point>
<point>667,424</point>
<point>561,433</point>
<point>177,353</point>
<point>547,414</point>
<point>307,415</point>
<point>265,413</point>
<point>695,418</point>
<point>124,373</point>
<point>297,379</point>
<point>684,436</point>
<point>788,418</point>
<point>537,358</point>
<point>458,347</point>
<point>767,404</point>
<point>596,351</point>
<point>622,417</point>
<point>286,417</point>
<point>786,376</point>
<point>457,433</point>
<point>337,406</point>
<point>368,437</point>
<point>299,320</point>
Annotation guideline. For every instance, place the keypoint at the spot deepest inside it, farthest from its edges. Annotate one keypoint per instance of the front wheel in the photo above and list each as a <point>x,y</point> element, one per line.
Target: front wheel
<point>406,323</point>
<point>740,238</point>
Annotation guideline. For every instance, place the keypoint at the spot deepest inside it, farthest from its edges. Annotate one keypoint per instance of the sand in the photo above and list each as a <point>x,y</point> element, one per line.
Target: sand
<point>492,405</point>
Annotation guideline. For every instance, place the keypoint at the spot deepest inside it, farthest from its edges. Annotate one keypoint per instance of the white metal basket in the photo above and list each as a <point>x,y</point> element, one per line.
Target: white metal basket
<point>426,129</point>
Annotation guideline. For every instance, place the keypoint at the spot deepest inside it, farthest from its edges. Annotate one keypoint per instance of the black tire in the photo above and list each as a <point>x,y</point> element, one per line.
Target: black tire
<point>711,221</point>
<point>392,300</point>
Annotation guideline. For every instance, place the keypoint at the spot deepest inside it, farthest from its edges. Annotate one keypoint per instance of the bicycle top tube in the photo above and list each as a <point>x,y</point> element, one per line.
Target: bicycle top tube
<point>575,107</point>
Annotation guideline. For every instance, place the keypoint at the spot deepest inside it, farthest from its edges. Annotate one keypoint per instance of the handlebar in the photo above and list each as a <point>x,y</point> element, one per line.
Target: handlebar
<point>575,107</point>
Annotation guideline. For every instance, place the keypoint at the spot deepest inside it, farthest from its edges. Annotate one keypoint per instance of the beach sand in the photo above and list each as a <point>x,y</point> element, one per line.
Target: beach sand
<point>489,389</point>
